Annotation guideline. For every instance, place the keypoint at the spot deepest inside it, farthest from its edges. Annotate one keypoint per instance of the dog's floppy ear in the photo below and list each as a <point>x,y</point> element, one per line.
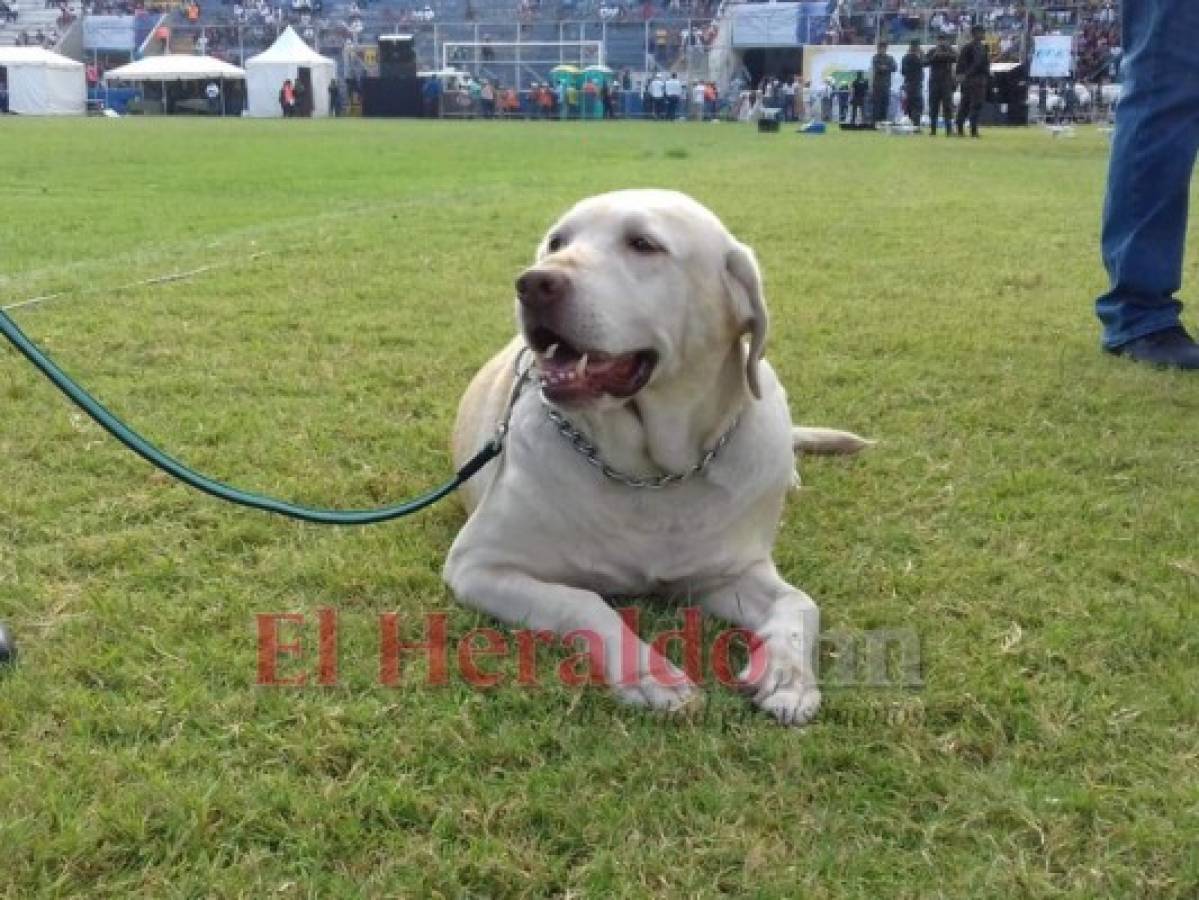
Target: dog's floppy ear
<point>745,283</point>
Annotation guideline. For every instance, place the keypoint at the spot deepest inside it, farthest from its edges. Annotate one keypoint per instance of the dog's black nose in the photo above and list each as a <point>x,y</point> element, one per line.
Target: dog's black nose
<point>542,288</point>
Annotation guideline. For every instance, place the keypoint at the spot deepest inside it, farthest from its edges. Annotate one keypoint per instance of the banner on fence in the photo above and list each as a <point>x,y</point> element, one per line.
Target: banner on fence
<point>1052,56</point>
<point>108,33</point>
<point>779,24</point>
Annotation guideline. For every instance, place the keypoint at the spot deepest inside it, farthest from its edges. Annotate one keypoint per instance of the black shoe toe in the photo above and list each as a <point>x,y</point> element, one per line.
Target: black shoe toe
<point>1172,348</point>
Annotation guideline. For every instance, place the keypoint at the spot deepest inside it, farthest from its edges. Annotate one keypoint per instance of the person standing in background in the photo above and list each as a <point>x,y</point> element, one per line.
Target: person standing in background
<point>302,106</point>
<point>474,96</point>
<point>674,94</point>
<point>657,96</point>
<point>591,100</point>
<point>974,69</point>
<point>814,106</point>
<point>572,101</point>
<point>431,95</point>
<point>1148,184</point>
<point>487,99</point>
<point>857,100</point>
<point>287,99</point>
<point>791,96</point>
<point>941,61</point>
<point>697,101</point>
<point>882,67</point>
<point>561,108</point>
<point>334,98</point>
<point>912,70</point>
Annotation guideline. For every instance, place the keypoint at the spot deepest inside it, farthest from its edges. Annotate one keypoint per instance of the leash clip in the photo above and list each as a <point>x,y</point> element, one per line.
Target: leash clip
<point>522,375</point>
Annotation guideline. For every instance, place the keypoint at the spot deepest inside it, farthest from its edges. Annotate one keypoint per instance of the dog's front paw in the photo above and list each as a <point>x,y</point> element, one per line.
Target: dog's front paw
<point>779,680</point>
<point>669,690</point>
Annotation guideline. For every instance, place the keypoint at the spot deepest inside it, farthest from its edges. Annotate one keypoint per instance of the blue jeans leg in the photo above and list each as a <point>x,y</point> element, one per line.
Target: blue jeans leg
<point>1153,154</point>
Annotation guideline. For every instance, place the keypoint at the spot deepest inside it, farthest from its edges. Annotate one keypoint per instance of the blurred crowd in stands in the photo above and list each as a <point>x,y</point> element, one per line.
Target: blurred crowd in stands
<point>1095,25</point>
<point>37,38</point>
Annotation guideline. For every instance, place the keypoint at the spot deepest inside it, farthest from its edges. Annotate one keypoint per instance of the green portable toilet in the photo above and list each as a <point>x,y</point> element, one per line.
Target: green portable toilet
<point>599,76</point>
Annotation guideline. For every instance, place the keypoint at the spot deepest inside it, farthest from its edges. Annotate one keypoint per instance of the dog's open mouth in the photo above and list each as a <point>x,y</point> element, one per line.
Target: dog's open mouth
<point>571,374</point>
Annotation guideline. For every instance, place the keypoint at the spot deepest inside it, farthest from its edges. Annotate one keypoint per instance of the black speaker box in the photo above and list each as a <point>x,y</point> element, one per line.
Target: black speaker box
<point>391,98</point>
<point>397,56</point>
<point>1009,94</point>
<point>768,124</point>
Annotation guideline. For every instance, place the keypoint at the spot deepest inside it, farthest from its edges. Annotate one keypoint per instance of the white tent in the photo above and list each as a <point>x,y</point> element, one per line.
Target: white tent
<point>266,72</point>
<point>179,67</point>
<point>42,83</point>
<point>175,67</point>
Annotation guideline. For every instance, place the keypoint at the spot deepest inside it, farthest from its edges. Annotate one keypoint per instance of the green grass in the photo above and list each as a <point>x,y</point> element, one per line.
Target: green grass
<point>1030,513</point>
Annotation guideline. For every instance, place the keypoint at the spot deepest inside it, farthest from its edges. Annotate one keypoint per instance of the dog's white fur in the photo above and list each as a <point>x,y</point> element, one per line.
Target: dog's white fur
<point>549,536</point>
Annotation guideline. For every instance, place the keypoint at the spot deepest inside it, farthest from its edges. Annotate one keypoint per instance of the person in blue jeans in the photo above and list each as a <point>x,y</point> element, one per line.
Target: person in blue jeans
<point>1145,213</point>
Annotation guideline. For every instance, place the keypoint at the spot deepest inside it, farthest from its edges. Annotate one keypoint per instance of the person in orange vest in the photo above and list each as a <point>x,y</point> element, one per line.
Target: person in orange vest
<point>287,99</point>
<point>710,98</point>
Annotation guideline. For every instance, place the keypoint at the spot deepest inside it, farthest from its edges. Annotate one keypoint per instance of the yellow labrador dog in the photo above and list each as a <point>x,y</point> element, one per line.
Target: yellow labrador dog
<point>653,459</point>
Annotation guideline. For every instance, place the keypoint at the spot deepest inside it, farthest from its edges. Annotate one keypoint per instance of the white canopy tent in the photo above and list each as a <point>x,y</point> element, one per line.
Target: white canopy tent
<point>42,83</point>
<point>175,67</point>
<point>284,59</point>
<point>178,67</point>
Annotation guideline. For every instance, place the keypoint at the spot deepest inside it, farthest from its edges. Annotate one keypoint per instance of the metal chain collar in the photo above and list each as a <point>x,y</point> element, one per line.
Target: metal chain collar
<point>590,452</point>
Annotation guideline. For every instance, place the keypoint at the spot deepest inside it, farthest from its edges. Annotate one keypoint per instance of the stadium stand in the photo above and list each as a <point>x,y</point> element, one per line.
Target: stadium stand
<point>34,23</point>
<point>623,25</point>
<point>637,37</point>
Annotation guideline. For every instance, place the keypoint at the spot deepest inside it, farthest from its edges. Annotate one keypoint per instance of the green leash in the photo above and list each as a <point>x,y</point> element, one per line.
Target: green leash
<point>191,478</point>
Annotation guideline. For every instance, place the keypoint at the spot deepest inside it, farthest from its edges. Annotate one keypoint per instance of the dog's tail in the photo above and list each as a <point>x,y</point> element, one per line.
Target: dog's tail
<point>827,442</point>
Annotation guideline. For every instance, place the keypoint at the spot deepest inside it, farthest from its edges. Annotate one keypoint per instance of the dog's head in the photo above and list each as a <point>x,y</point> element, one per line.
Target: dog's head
<point>634,288</point>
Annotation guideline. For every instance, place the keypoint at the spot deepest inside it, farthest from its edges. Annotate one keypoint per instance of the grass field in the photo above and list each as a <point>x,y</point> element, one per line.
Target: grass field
<point>1030,512</point>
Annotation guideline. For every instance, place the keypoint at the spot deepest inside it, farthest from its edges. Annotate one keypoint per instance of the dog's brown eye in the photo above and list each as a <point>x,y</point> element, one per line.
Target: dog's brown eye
<point>555,243</point>
<point>640,244</point>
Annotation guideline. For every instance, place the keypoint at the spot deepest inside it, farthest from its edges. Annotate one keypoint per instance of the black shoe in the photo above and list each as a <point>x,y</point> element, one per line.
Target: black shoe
<point>1171,348</point>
